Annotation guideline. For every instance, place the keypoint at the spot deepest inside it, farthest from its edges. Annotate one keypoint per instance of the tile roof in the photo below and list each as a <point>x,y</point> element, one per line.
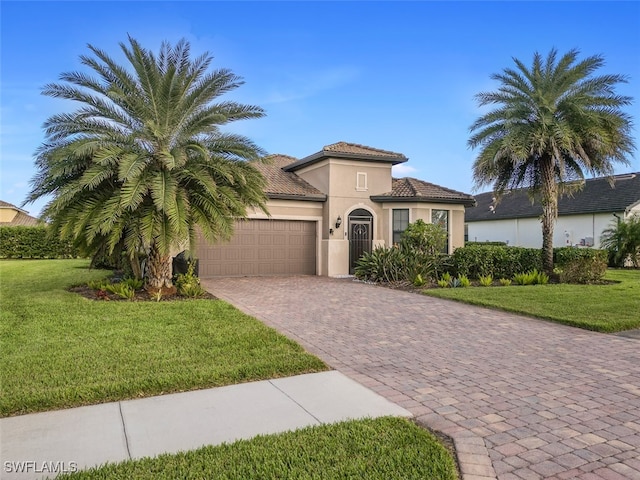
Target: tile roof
<point>357,149</point>
<point>597,196</point>
<point>286,185</point>
<point>22,218</point>
<point>350,151</point>
<point>414,190</point>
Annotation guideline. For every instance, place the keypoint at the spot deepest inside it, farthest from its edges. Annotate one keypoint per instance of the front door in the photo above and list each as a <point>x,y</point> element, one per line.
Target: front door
<point>360,236</point>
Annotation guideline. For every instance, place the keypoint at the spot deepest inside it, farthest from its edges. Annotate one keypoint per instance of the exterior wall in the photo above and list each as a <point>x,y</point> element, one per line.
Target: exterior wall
<point>422,211</point>
<point>7,214</point>
<point>570,230</point>
<point>348,185</point>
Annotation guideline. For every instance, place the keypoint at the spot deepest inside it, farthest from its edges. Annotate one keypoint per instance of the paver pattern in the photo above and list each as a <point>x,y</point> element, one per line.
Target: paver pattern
<point>522,398</point>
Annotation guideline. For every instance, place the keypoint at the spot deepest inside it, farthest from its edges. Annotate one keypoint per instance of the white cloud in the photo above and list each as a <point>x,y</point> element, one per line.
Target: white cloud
<point>401,170</point>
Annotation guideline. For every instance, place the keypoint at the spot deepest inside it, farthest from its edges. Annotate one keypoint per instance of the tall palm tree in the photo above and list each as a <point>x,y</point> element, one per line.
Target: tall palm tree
<point>143,161</point>
<point>551,123</point>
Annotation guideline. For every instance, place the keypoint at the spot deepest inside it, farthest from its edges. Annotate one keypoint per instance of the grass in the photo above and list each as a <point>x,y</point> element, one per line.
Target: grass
<point>384,448</point>
<point>602,308</point>
<point>62,350</point>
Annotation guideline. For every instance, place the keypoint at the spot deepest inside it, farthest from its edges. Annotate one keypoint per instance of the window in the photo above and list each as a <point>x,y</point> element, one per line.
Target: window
<point>361,181</point>
<point>441,218</point>
<point>400,223</point>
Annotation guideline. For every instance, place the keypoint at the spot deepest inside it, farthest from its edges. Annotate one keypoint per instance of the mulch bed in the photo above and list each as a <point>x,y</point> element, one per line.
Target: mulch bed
<point>140,296</point>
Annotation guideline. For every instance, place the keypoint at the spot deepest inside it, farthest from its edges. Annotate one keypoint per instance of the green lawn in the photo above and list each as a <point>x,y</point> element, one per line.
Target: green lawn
<point>61,350</point>
<point>603,308</point>
<point>384,448</point>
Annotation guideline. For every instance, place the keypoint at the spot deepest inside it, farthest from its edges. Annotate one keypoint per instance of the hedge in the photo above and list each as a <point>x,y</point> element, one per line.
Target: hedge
<point>565,255</point>
<point>498,261</point>
<point>33,242</point>
<point>581,265</point>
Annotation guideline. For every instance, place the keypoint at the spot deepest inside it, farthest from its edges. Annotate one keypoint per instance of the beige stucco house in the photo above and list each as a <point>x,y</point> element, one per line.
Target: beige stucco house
<point>12,216</point>
<point>326,209</point>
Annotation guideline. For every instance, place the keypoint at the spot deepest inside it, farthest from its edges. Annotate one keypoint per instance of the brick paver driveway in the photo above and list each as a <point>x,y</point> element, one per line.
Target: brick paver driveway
<point>522,398</point>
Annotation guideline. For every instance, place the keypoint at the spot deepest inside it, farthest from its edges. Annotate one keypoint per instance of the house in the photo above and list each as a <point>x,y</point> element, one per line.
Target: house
<point>328,208</point>
<point>582,217</point>
<point>12,216</point>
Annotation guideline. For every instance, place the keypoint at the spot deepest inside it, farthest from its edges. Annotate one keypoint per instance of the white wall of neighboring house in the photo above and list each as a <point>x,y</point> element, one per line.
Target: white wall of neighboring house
<point>570,230</point>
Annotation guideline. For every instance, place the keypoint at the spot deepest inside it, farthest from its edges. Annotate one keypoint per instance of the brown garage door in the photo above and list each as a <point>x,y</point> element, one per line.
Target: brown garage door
<point>262,247</point>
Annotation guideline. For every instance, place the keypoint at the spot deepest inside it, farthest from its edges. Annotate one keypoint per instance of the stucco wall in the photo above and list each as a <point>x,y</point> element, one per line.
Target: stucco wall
<point>7,214</point>
<point>527,232</point>
<point>422,211</point>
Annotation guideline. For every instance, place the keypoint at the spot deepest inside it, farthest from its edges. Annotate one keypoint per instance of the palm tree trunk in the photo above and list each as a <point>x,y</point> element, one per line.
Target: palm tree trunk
<point>549,213</point>
<point>158,269</point>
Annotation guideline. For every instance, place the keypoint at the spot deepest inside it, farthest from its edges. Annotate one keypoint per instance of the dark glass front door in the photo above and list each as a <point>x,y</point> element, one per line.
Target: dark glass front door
<point>360,236</point>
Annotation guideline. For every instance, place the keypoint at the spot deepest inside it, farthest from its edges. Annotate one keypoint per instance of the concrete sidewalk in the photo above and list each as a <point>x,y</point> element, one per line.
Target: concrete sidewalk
<point>112,432</point>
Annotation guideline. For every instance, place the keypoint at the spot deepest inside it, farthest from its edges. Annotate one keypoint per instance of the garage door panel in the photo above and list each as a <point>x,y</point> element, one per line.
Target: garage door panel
<point>262,247</point>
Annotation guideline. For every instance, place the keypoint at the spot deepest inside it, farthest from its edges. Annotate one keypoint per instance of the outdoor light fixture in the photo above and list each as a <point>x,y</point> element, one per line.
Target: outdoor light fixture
<point>338,222</point>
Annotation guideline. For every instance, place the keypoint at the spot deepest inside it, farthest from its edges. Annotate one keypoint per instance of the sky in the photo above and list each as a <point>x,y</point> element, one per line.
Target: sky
<point>399,76</point>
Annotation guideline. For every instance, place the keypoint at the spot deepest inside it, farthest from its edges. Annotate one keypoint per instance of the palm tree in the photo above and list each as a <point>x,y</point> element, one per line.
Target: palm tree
<point>142,162</point>
<point>622,239</point>
<point>551,123</point>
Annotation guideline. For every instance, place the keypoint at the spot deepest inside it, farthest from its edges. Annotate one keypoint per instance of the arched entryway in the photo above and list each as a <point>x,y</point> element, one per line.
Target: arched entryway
<point>360,235</point>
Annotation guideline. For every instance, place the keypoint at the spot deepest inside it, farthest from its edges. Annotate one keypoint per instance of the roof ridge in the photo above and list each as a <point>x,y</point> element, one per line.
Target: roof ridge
<point>284,155</point>
<point>336,145</point>
<point>412,184</point>
<point>450,190</point>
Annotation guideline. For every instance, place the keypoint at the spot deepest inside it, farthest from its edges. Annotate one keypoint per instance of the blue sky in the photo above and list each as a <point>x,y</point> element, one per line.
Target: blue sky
<point>399,76</point>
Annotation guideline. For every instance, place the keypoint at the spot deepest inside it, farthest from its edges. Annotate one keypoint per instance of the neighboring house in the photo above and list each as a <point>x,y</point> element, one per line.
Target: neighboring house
<point>581,217</point>
<point>12,216</point>
<point>326,210</point>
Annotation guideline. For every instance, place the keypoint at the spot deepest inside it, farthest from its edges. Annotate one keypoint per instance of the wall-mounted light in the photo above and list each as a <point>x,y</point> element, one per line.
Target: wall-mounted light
<point>338,222</point>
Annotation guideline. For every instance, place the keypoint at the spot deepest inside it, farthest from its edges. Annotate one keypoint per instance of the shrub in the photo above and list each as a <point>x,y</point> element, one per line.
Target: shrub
<point>424,238</point>
<point>479,260</point>
<point>419,281</point>
<point>542,278</point>
<point>527,278</point>
<point>502,244</point>
<point>416,259</point>
<point>464,281</point>
<point>505,282</point>
<point>580,265</point>
<point>532,277</point>
<point>383,264</point>
<point>443,283</point>
<point>583,270</point>
<point>188,284</point>
<point>135,283</point>
<point>122,290</point>
<point>99,284</point>
<point>33,242</point>
<point>485,281</point>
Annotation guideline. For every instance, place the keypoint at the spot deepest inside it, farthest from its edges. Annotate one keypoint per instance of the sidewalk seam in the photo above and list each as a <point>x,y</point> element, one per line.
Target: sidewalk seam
<point>294,401</point>
<point>124,430</point>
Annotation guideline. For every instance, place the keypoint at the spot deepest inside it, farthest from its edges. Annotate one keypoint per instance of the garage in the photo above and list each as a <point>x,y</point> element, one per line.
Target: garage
<point>262,247</point>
